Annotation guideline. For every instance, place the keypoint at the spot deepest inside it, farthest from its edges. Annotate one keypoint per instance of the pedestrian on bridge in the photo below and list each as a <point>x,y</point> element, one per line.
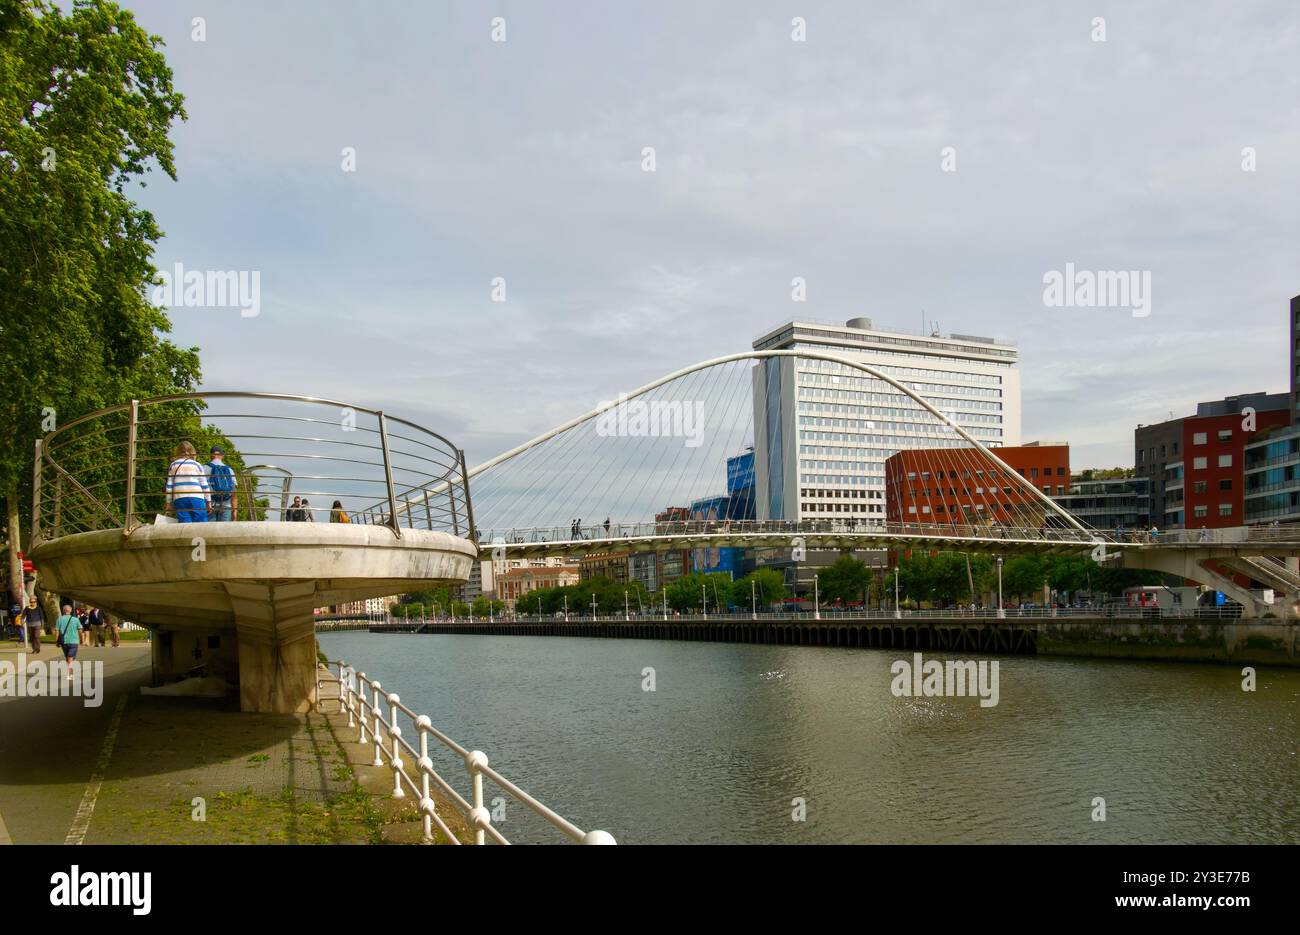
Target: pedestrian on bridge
<point>34,617</point>
<point>187,487</point>
<point>68,627</point>
<point>221,481</point>
<point>337,513</point>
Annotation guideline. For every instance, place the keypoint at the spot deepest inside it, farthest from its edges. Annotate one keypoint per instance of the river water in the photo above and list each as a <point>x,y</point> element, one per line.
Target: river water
<point>738,741</point>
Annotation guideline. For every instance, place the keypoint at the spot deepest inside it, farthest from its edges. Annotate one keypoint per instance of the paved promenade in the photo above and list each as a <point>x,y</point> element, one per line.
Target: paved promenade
<point>141,769</point>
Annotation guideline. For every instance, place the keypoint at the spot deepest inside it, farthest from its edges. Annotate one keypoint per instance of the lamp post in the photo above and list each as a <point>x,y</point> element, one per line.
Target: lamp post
<point>627,614</point>
<point>1001,613</point>
<point>664,592</point>
<point>566,608</point>
<point>593,606</point>
<point>898,611</point>
<point>704,602</point>
<point>817,600</point>
<point>753,596</point>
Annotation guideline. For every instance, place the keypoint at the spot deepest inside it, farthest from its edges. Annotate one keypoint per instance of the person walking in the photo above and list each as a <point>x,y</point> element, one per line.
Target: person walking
<point>337,515</point>
<point>187,487</point>
<point>20,624</point>
<point>83,616</point>
<point>111,620</point>
<point>294,513</point>
<point>606,527</point>
<point>221,484</point>
<point>307,516</point>
<point>34,617</point>
<point>96,621</point>
<point>68,627</point>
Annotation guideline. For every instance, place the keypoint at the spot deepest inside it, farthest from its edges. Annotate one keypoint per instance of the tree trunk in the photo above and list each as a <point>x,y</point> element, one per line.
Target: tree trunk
<point>17,591</point>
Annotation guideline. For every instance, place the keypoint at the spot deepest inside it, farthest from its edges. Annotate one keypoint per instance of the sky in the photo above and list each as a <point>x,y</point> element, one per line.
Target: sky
<point>380,164</point>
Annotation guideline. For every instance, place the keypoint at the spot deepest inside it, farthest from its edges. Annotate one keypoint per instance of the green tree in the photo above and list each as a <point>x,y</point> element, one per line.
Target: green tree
<point>847,579</point>
<point>86,106</point>
<point>1022,576</point>
<point>766,585</point>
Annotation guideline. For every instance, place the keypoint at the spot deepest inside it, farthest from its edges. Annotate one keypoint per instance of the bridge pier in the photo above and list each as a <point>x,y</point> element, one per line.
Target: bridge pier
<point>277,646</point>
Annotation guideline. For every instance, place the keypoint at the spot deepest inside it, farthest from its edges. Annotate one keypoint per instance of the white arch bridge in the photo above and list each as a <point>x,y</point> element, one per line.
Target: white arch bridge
<point>625,476</point>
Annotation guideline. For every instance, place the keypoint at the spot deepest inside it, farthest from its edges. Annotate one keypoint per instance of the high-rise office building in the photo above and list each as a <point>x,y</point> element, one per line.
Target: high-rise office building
<point>823,431</point>
<point>1272,458</point>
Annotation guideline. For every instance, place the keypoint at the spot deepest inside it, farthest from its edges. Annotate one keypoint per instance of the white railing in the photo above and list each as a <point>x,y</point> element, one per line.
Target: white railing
<point>375,714</point>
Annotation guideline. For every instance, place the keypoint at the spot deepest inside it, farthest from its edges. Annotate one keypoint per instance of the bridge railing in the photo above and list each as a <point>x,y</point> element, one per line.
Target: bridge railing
<point>375,714</point>
<point>609,535</point>
<point>292,458</point>
<point>831,615</point>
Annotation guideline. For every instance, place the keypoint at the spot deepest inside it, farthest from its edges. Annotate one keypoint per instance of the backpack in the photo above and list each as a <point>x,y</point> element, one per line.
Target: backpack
<point>222,478</point>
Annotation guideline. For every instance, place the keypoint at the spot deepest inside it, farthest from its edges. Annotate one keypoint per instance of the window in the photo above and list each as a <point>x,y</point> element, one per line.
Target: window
<point>1175,447</point>
<point>1225,483</point>
<point>1198,438</point>
<point>1225,509</point>
<point>1162,451</point>
<point>1201,511</point>
<point>1060,472</point>
<point>1033,472</point>
<point>1200,486</point>
<point>1225,460</point>
<point>1060,490</point>
<point>1198,464</point>
<point>1225,435</point>
<point>1141,456</point>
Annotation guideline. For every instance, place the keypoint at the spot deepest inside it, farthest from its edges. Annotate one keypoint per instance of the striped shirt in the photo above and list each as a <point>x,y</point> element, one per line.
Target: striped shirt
<point>186,478</point>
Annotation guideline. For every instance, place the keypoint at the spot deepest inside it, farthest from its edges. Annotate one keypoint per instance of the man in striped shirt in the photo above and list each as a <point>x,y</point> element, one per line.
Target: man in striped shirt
<point>187,487</point>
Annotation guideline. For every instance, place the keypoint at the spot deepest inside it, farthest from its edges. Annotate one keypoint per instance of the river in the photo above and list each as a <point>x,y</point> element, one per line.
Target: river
<point>738,741</point>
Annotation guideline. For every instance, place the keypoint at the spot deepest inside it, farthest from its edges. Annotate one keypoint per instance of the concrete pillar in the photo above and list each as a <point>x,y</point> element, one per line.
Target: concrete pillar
<point>277,646</point>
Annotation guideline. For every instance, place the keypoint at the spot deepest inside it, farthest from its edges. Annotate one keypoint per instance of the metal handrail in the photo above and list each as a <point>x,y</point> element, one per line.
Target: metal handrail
<point>592,535</point>
<point>105,473</point>
<point>362,700</point>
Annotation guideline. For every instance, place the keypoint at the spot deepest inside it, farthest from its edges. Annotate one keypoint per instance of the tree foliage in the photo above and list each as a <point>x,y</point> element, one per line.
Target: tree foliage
<point>86,106</point>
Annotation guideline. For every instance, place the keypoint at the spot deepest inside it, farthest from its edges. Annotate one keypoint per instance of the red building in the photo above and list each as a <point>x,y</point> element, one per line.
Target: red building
<point>955,485</point>
<point>1205,487</point>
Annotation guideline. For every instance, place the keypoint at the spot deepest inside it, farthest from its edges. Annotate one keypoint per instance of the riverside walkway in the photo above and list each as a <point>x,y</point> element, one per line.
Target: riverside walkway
<point>149,770</point>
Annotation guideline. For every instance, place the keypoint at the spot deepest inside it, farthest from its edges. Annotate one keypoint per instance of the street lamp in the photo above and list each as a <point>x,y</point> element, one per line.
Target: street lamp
<point>704,602</point>
<point>817,600</point>
<point>753,595</point>
<point>1001,613</point>
<point>627,614</point>
<point>566,608</point>
<point>898,611</point>
<point>664,592</point>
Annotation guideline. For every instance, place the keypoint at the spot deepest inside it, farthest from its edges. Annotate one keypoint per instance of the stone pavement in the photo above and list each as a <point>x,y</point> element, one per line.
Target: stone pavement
<point>138,769</point>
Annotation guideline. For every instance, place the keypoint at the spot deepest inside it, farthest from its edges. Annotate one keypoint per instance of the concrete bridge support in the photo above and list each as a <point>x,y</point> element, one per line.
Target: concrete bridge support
<point>236,600</point>
<point>1194,564</point>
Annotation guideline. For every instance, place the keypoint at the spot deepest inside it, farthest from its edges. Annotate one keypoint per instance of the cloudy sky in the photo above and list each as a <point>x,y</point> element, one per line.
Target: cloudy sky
<point>522,159</point>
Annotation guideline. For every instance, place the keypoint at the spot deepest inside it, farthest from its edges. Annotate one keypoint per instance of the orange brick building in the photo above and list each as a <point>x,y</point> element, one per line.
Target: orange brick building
<point>952,485</point>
